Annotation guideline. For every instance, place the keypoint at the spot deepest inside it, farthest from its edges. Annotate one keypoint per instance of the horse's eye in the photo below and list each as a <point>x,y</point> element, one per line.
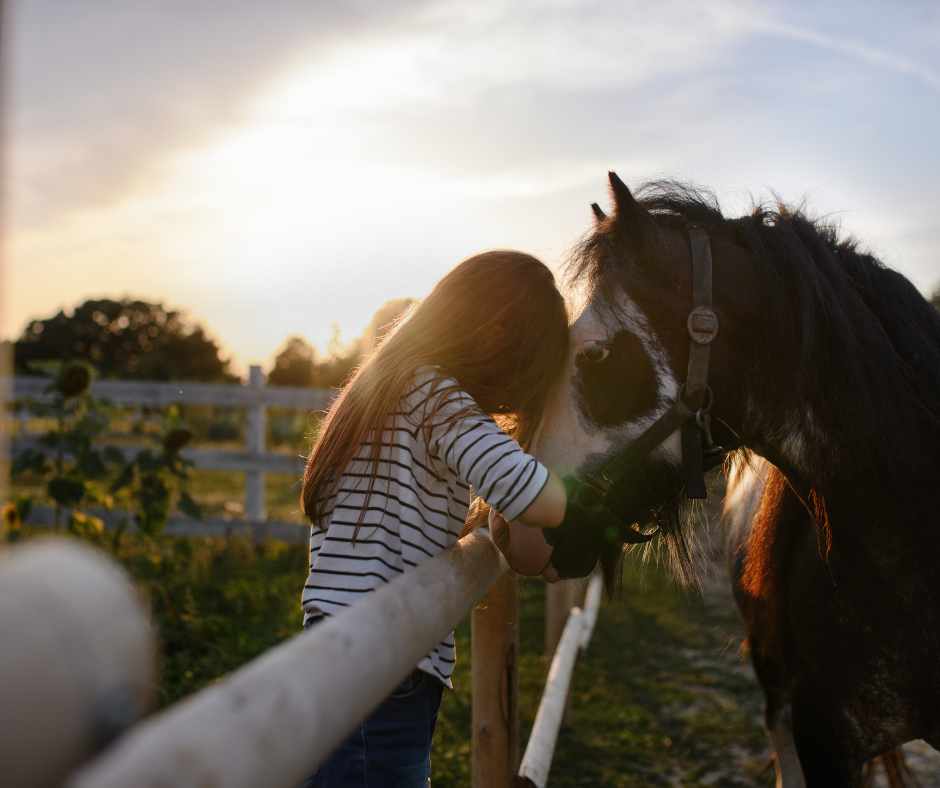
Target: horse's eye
<point>594,354</point>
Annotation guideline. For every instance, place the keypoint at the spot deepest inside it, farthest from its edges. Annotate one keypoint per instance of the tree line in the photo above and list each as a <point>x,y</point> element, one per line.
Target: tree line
<point>140,340</point>
<point>133,339</point>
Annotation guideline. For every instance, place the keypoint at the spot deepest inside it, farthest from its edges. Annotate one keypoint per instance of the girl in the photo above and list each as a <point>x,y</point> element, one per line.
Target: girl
<point>388,482</point>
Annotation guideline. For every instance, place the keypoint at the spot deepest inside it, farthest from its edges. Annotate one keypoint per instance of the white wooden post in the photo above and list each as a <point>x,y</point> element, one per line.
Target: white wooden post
<point>255,429</point>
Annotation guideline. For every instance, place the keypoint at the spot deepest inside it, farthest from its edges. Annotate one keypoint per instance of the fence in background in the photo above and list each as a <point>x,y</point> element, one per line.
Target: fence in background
<point>254,460</point>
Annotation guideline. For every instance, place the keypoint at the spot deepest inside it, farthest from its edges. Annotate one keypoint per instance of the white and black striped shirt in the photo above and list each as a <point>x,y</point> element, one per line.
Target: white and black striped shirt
<point>419,500</point>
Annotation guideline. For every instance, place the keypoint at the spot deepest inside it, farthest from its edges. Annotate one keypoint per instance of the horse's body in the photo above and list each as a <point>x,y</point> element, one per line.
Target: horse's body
<point>827,364</point>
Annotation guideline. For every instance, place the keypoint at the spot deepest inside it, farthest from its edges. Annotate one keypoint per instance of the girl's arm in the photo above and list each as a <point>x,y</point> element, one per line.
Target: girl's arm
<point>522,541</point>
<point>548,508</point>
<point>525,548</point>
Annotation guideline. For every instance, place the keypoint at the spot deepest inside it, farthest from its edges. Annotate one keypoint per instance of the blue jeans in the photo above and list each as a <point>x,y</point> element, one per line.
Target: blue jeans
<point>392,747</point>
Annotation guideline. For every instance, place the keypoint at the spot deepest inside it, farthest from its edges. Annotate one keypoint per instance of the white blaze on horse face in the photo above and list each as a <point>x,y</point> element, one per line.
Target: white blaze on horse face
<point>566,440</point>
<point>569,437</point>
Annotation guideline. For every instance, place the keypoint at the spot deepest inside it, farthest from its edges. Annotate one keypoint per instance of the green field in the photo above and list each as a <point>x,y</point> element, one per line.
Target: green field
<point>661,697</point>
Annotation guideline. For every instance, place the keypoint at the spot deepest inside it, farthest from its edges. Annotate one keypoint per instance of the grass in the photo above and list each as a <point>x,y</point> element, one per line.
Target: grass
<point>220,493</point>
<point>660,698</point>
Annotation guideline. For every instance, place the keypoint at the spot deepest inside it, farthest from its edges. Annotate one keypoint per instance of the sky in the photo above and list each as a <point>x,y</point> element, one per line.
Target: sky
<point>279,168</point>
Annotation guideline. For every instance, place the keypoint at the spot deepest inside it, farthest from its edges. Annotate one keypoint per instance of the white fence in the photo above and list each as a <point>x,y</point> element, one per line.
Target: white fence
<point>254,460</point>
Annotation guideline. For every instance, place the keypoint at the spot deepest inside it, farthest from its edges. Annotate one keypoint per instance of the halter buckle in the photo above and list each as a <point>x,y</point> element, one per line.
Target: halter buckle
<point>702,324</point>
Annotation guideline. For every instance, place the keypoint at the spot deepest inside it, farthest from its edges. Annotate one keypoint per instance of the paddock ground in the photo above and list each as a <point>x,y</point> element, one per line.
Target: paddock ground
<point>663,696</point>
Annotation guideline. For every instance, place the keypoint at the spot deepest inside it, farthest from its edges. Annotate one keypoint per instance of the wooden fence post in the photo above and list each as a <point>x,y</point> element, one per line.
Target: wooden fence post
<point>255,429</point>
<point>495,645</point>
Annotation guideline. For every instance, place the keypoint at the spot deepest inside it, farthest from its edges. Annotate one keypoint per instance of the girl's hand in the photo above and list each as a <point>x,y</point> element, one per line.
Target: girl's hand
<point>524,547</point>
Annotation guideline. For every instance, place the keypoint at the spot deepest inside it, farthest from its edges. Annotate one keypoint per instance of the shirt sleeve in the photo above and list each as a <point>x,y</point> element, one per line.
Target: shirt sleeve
<point>473,447</point>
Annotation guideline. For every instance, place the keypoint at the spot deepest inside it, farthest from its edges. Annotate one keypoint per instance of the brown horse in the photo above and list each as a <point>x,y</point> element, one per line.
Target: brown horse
<point>823,384</point>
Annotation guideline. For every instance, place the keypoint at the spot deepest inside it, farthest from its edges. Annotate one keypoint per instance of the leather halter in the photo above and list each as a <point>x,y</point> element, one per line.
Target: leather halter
<point>691,410</point>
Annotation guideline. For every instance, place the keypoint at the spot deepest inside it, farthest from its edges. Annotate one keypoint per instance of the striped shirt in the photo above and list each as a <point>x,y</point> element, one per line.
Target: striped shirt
<point>435,447</point>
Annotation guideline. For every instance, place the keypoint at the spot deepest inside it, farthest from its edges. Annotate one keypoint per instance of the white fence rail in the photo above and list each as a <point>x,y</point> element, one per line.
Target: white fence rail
<point>537,759</point>
<point>254,460</point>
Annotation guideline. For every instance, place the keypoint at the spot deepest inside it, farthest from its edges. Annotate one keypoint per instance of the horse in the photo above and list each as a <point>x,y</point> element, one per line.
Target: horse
<point>770,342</point>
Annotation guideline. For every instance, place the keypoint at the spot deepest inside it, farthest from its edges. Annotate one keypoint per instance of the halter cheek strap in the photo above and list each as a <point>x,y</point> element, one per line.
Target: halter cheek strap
<point>698,447</point>
<point>691,410</point>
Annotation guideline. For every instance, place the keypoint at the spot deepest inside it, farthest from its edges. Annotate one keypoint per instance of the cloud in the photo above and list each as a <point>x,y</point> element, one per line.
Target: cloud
<point>101,92</point>
<point>907,35</point>
<point>308,161</point>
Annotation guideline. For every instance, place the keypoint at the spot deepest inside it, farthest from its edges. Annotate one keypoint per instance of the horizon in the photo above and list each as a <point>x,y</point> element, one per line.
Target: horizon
<point>275,171</point>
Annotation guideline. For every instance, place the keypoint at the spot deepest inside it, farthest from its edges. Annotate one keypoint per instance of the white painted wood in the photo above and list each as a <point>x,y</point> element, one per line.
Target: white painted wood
<point>273,721</point>
<point>77,661</point>
<point>592,604</point>
<point>158,394</point>
<point>255,427</point>
<point>537,759</point>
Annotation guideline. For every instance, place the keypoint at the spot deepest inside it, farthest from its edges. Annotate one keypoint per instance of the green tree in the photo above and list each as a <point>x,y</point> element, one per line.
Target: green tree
<point>124,339</point>
<point>295,364</point>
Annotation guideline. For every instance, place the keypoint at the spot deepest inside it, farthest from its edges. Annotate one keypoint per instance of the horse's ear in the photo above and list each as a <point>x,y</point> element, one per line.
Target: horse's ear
<point>599,214</point>
<point>629,213</point>
<point>623,200</point>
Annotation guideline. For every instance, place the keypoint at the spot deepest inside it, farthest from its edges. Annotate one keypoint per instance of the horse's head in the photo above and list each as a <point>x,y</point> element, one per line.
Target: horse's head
<point>629,366</point>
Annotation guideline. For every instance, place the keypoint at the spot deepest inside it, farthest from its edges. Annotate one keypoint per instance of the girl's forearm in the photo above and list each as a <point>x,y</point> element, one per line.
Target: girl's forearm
<point>525,548</point>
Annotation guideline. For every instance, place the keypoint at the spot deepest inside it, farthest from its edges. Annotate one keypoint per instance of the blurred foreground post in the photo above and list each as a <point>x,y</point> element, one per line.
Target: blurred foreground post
<point>77,664</point>
<point>6,351</point>
<point>495,646</point>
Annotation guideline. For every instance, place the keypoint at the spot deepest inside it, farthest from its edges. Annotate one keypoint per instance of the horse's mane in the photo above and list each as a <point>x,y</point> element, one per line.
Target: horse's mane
<point>869,342</point>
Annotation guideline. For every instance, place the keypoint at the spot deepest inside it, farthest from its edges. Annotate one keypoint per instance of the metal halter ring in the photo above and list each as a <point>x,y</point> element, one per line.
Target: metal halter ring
<point>702,414</point>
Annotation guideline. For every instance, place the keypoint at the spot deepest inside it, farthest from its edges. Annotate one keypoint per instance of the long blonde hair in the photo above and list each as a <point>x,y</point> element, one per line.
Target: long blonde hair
<point>496,324</point>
